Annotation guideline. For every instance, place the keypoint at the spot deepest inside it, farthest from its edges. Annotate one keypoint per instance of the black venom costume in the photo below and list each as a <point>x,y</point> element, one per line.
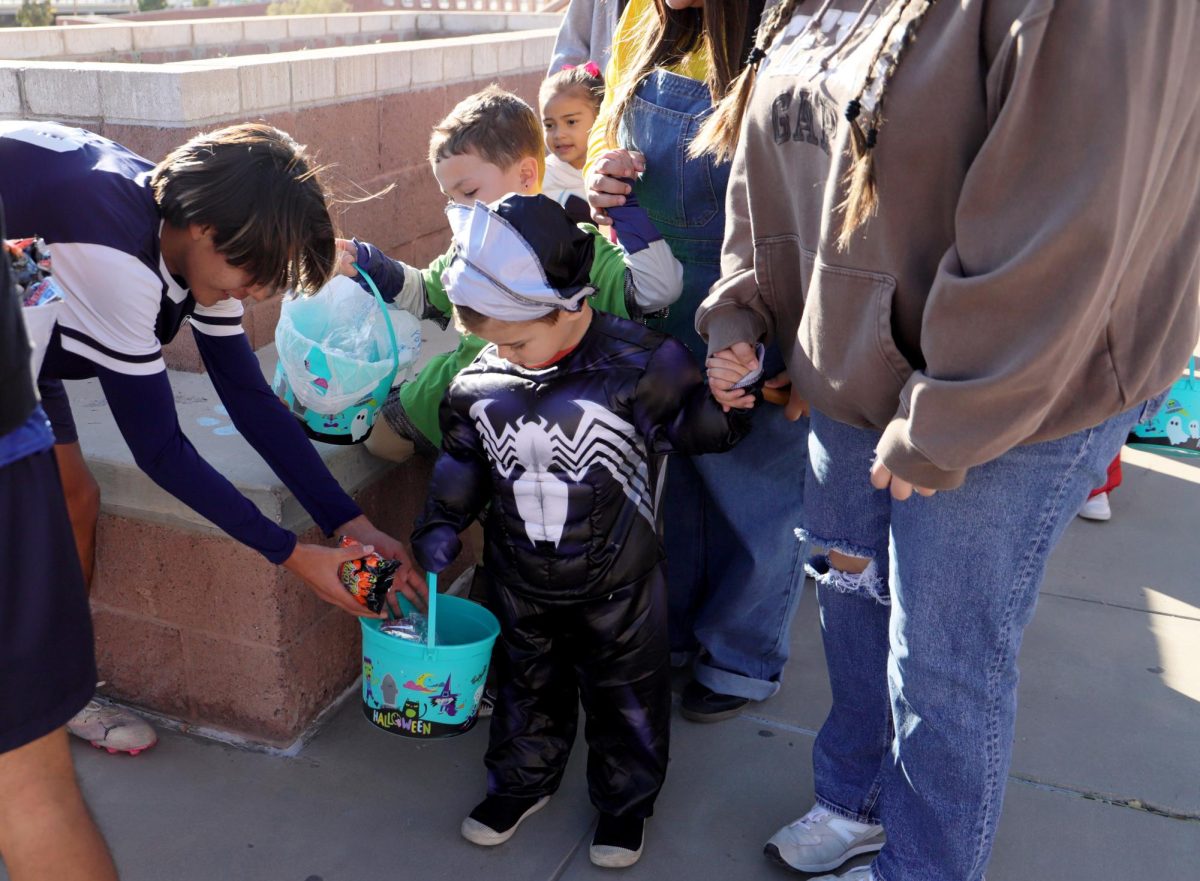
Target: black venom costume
<point>568,455</point>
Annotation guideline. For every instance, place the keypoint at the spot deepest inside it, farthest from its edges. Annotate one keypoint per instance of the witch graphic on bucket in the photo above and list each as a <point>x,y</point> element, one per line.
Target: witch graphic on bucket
<point>447,701</point>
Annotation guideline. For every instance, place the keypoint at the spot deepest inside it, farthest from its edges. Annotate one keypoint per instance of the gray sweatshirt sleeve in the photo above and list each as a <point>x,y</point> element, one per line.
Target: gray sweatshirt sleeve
<point>734,311</point>
<point>1046,231</point>
<point>585,34</point>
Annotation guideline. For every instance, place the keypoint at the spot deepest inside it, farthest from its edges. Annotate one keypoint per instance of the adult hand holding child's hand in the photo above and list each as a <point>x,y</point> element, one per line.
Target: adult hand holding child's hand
<point>725,370</point>
<point>605,188</point>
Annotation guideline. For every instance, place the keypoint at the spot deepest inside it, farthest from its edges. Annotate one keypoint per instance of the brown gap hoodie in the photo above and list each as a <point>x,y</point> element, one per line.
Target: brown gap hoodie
<point>1034,265</point>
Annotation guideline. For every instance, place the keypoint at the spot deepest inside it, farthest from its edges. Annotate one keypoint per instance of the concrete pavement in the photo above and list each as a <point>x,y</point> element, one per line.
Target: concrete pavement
<point>1105,783</point>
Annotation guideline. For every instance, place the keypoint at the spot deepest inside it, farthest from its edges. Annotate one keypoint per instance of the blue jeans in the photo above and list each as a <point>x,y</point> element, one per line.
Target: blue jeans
<point>922,647</point>
<point>734,563</point>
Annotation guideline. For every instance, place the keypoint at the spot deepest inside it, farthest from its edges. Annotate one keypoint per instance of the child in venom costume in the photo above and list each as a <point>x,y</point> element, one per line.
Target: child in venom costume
<point>560,424</point>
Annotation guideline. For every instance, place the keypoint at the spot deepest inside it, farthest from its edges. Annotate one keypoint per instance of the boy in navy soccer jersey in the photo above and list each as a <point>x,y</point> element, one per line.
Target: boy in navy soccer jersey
<point>138,250</point>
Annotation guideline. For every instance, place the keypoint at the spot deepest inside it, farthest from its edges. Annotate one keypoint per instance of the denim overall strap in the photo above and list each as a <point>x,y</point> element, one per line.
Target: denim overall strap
<point>684,197</point>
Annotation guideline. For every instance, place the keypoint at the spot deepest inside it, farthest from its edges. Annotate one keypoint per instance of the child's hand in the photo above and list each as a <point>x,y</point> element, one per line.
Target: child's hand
<point>605,189</point>
<point>726,369</point>
<point>347,253</point>
<point>779,390</point>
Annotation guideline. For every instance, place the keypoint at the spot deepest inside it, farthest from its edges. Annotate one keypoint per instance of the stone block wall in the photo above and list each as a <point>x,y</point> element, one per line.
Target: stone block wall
<point>364,111</point>
<point>188,622</point>
<point>198,627</point>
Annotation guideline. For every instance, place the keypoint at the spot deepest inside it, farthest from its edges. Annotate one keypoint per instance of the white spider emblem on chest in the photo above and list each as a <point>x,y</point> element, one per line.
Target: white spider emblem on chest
<point>546,454</point>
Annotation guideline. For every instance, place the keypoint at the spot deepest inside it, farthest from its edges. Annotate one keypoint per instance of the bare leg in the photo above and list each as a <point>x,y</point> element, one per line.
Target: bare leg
<point>45,828</point>
<point>107,726</point>
<point>83,504</point>
<point>384,443</point>
<point>846,563</point>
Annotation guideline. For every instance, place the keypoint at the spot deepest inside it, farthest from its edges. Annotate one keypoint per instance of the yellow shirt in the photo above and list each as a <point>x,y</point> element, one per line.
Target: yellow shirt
<point>638,15</point>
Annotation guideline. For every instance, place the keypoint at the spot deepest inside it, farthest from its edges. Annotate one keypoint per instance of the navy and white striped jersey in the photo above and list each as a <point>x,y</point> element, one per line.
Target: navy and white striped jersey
<point>90,199</point>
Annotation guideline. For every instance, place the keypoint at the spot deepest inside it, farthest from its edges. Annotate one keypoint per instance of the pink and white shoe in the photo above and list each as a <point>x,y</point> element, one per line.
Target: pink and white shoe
<point>106,726</point>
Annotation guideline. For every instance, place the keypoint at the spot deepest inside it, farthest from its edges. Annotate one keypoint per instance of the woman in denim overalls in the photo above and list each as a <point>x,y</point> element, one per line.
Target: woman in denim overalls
<point>734,564</point>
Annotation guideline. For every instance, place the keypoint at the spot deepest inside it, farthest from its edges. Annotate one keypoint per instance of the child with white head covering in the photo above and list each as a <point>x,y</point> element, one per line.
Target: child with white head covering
<point>560,424</point>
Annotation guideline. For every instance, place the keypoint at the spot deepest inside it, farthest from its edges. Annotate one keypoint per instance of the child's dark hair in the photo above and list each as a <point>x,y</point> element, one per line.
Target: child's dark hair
<point>257,189</point>
<point>583,81</point>
<point>902,18</point>
<point>493,123</point>
<point>469,320</point>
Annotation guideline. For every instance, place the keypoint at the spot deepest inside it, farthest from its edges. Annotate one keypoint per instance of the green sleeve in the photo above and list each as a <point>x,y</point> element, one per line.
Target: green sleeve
<point>435,291</point>
<point>421,397</point>
<point>608,275</point>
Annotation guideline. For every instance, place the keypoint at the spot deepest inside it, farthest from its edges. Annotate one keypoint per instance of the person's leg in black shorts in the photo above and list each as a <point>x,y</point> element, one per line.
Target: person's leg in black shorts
<point>47,673</point>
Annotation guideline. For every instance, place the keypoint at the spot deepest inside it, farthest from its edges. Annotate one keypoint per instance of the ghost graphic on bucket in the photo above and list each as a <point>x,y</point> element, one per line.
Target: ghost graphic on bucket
<point>1175,433</point>
<point>360,425</point>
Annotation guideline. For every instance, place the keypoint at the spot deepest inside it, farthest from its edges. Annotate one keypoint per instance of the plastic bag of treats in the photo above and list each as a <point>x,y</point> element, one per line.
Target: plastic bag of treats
<point>368,578</point>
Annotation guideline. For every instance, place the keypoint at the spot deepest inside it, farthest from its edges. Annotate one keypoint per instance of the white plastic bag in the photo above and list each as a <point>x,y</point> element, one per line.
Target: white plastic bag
<point>39,325</point>
<point>335,348</point>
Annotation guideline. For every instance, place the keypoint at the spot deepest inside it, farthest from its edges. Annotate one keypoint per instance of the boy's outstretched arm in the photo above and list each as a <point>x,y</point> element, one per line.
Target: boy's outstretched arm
<point>675,410</point>
<point>655,274</point>
<point>458,490</point>
<point>398,282</point>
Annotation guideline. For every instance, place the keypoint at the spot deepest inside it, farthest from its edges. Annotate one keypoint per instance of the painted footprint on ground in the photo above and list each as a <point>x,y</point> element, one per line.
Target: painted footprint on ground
<point>223,428</point>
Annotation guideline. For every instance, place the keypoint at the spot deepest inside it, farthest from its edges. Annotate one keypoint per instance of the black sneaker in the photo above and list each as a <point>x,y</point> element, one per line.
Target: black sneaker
<point>497,817</point>
<point>617,842</point>
<point>701,704</point>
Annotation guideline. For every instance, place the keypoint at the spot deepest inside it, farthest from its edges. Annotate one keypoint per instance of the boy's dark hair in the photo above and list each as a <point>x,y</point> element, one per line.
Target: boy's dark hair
<point>470,320</point>
<point>257,189</point>
<point>577,81</point>
<point>495,124</point>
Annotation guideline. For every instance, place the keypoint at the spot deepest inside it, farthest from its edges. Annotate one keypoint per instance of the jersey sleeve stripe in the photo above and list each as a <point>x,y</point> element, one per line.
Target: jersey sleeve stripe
<point>213,319</point>
<point>105,350</point>
<point>132,365</point>
<point>216,326</point>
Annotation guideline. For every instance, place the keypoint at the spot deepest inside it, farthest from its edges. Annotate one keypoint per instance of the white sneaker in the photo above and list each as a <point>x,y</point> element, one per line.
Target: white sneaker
<point>1096,508</point>
<point>820,841</point>
<point>106,726</point>
<point>858,873</point>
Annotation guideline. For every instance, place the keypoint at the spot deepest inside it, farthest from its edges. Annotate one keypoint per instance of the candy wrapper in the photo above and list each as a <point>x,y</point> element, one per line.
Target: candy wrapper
<point>368,578</point>
<point>30,260</point>
<point>413,627</point>
<point>42,292</point>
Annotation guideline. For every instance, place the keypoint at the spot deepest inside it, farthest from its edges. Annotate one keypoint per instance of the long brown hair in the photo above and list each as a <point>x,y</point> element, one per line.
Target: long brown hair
<point>719,134</point>
<point>719,27</point>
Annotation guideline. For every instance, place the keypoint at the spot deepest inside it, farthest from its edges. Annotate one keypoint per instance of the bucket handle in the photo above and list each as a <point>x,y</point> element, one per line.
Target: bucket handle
<point>431,618</point>
<point>386,320</point>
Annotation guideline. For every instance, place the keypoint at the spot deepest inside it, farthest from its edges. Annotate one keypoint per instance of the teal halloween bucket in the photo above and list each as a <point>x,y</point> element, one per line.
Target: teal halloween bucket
<point>429,691</point>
